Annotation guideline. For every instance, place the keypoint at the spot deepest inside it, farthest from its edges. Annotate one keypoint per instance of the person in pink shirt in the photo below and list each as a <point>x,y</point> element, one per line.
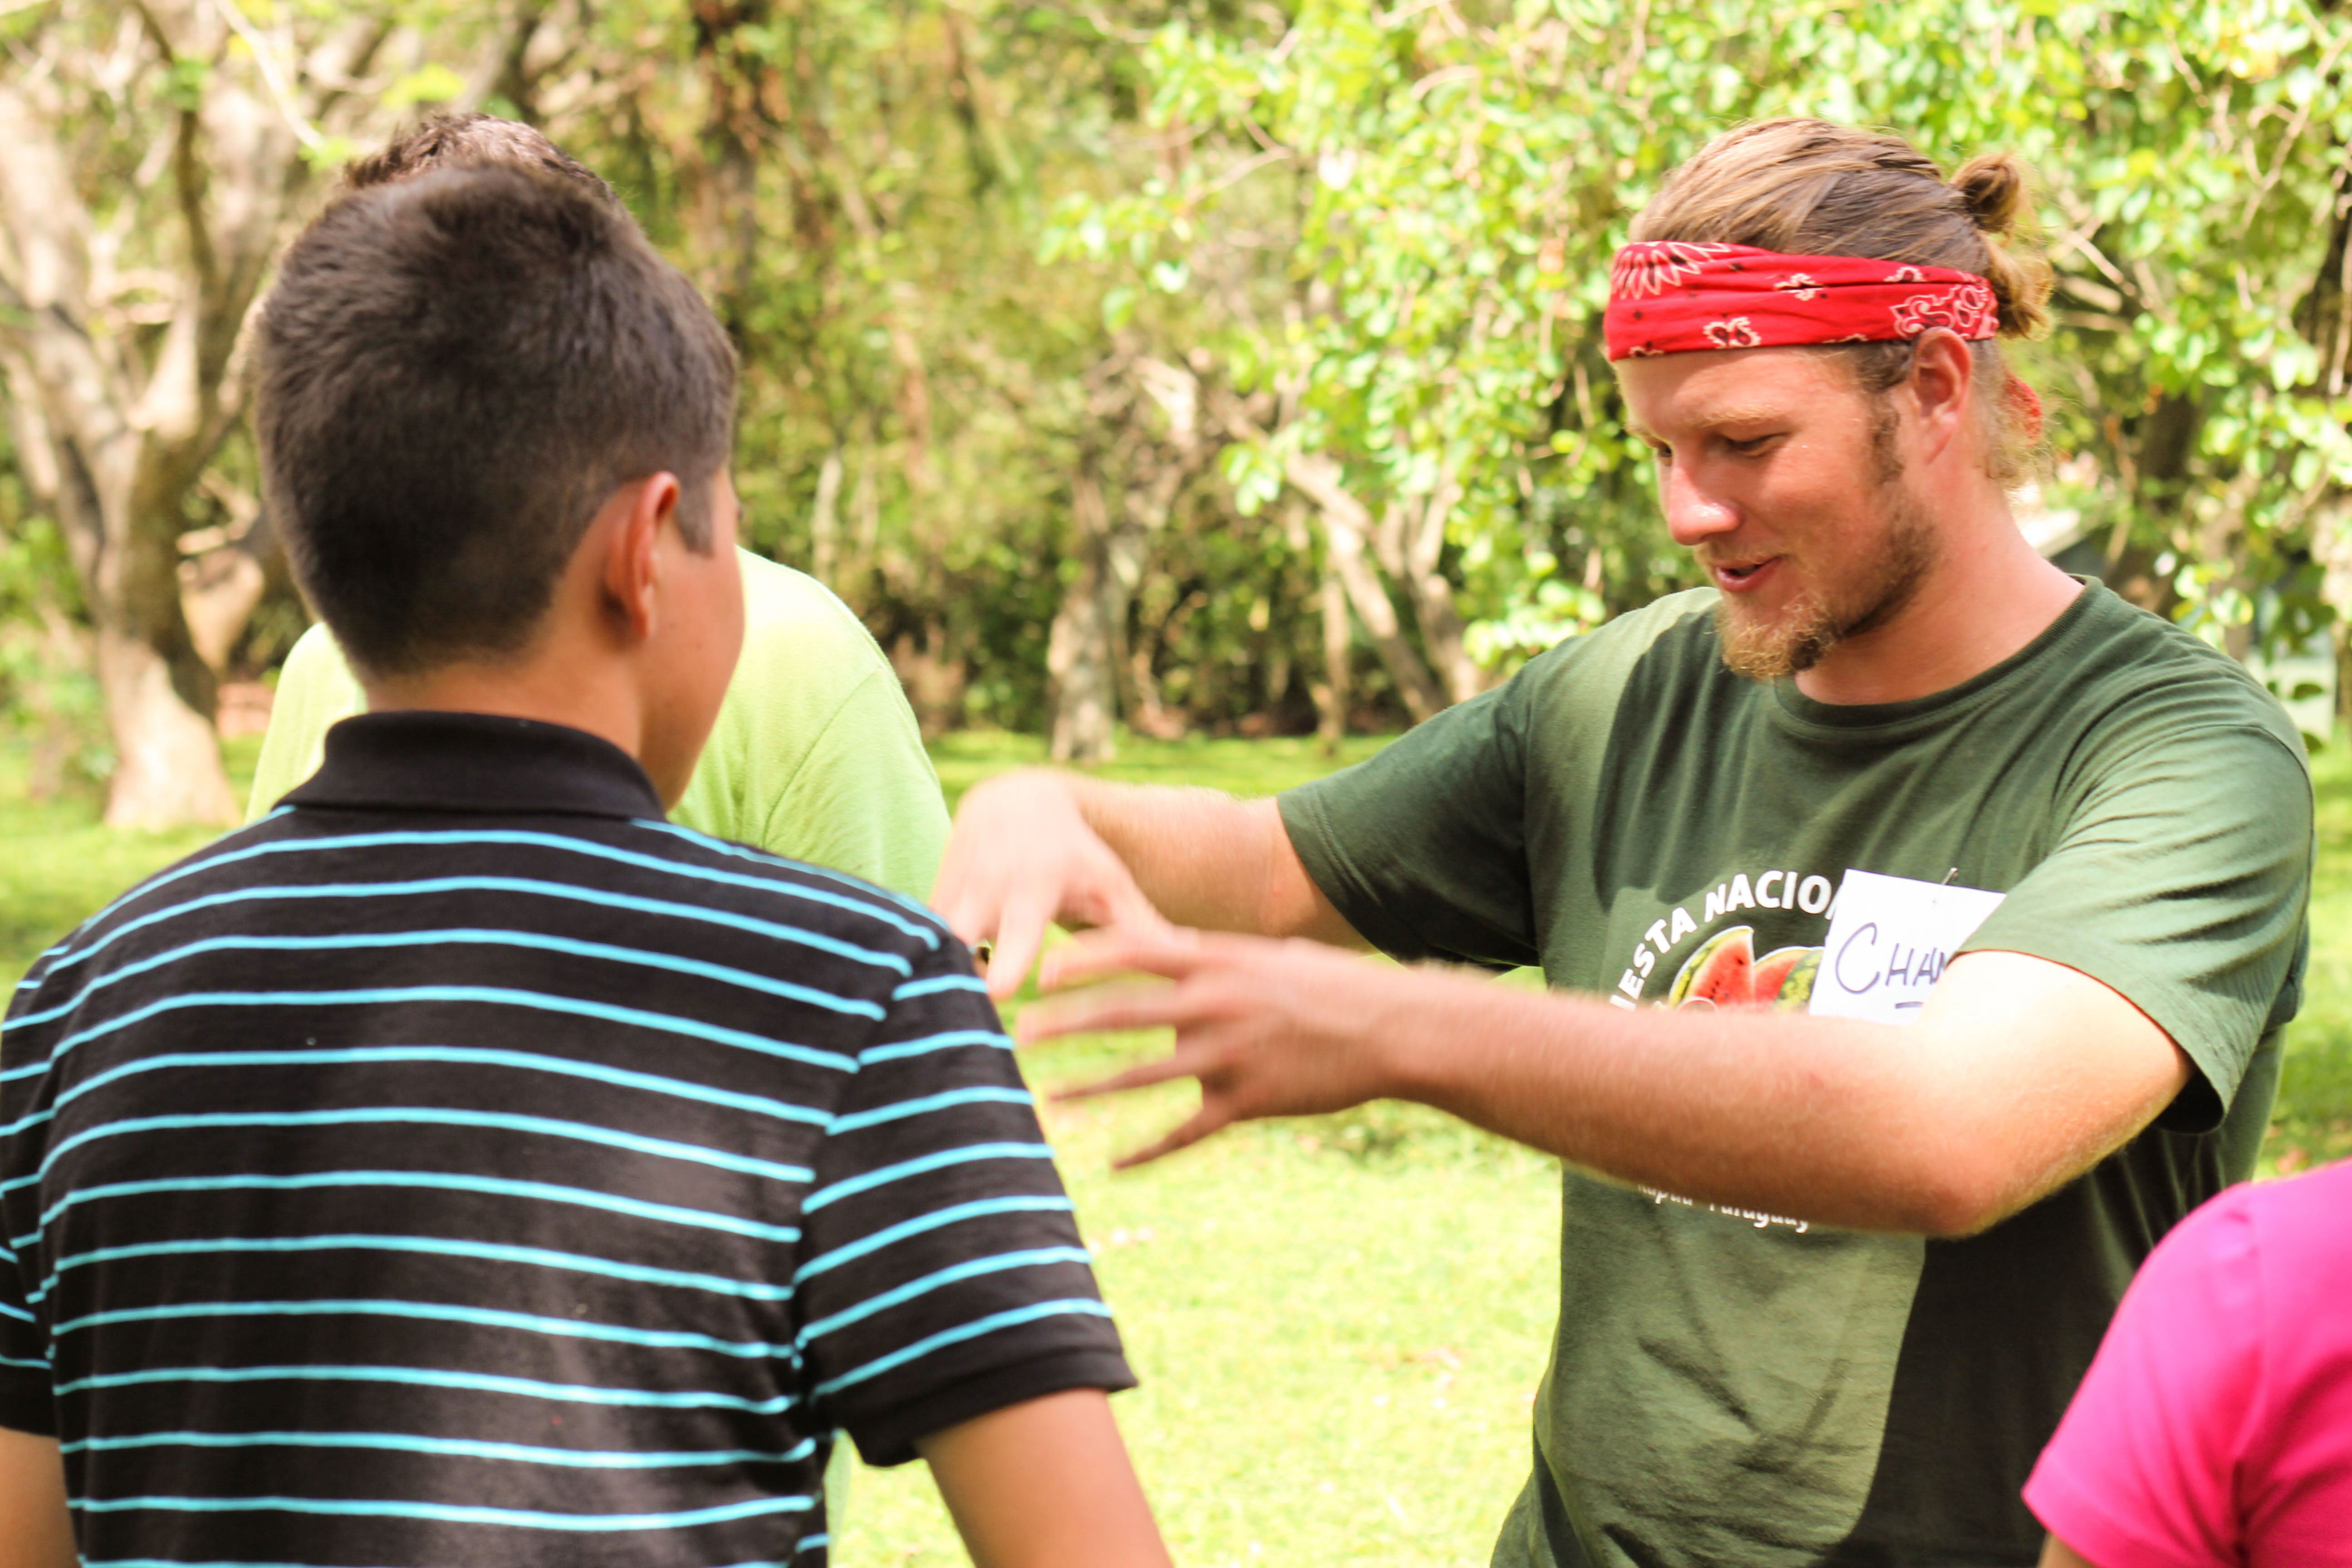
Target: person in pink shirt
<point>2215,1426</point>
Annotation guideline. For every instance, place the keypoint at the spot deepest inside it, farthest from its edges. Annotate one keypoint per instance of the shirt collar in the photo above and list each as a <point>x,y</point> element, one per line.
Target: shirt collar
<point>414,761</point>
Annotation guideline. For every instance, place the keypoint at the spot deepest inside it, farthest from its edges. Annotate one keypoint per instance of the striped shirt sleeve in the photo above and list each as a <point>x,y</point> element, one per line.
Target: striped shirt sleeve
<point>943,1276</point>
<point>27,1401</point>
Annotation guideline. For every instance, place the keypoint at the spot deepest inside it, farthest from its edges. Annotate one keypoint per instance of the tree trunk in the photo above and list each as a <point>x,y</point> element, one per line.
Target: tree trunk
<point>1346,525</point>
<point>724,208</point>
<point>825,520</point>
<point>1332,693</point>
<point>1143,513</point>
<point>160,693</point>
<point>219,591</point>
<point>167,770</point>
<point>1432,596</point>
<point>1081,672</point>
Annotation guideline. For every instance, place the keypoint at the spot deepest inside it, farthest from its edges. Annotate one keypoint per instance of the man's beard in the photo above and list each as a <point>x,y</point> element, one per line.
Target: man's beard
<point>1816,622</point>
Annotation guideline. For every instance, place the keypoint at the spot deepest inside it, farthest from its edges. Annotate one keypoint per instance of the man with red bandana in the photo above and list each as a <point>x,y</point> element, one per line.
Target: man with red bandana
<point>1920,921</point>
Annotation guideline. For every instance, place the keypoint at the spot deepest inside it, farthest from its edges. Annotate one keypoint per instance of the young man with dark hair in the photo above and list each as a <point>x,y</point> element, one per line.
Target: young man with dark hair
<point>815,754</point>
<point>464,1164</point>
<point>1923,920</point>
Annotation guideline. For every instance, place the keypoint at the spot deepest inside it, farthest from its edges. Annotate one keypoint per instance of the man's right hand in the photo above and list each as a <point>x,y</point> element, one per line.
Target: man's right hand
<point>1022,856</point>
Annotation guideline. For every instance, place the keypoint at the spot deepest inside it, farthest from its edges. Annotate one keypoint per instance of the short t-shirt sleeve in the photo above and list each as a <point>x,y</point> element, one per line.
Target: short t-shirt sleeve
<point>865,799</point>
<point>27,1398</point>
<point>1422,849</point>
<point>28,1394</point>
<point>2180,882</point>
<point>2144,1466</point>
<point>942,1276</point>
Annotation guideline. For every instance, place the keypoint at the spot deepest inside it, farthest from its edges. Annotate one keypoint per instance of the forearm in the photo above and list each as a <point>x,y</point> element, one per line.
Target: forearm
<point>1046,1484</point>
<point>36,1528</point>
<point>1821,1120</point>
<point>1210,861</point>
<point>1779,1114</point>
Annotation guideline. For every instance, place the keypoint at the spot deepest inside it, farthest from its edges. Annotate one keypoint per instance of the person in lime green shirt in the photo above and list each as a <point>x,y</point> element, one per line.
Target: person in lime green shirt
<point>815,755</point>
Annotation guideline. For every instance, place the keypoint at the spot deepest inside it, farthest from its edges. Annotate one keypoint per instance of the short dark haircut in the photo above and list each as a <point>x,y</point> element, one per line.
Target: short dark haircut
<point>463,141</point>
<point>455,371</point>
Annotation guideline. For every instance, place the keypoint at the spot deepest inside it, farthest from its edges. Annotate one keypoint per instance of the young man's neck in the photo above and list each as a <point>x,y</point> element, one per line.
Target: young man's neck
<point>552,690</point>
<point>1987,595</point>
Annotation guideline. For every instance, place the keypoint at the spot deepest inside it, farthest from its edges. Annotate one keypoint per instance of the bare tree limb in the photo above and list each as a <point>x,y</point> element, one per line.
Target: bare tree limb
<point>273,73</point>
<point>1346,524</point>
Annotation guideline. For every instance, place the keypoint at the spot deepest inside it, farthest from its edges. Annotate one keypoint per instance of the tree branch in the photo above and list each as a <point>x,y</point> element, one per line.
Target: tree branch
<point>273,74</point>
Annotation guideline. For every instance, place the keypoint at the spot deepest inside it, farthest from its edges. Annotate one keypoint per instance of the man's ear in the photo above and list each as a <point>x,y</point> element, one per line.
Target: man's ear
<point>1943,374</point>
<point>632,559</point>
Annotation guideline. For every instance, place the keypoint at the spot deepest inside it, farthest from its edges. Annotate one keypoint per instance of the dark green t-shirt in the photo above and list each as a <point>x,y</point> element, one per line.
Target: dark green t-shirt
<point>1737,1388</point>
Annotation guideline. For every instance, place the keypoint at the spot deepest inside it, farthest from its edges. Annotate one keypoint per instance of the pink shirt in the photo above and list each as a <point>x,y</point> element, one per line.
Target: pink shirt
<point>2215,1426</point>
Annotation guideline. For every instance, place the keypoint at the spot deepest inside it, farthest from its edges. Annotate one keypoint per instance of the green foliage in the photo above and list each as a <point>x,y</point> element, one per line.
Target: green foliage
<point>433,83</point>
<point>1455,177</point>
<point>950,240</point>
<point>49,699</point>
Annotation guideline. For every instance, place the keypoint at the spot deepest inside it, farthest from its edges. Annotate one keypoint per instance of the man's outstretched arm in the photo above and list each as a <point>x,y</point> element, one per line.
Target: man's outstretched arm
<point>1035,847</point>
<point>35,1530</point>
<point>2019,1075</point>
<point>1046,1484</point>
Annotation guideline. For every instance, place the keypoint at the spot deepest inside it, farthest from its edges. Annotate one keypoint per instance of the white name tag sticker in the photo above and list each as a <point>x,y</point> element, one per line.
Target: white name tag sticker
<point>1890,940</point>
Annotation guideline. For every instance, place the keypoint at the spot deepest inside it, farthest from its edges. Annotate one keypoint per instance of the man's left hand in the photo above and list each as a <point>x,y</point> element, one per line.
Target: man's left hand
<point>1269,1028</point>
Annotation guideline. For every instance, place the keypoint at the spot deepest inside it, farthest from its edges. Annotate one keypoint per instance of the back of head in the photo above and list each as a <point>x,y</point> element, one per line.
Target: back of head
<point>468,140</point>
<point>1808,187</point>
<point>455,371</point>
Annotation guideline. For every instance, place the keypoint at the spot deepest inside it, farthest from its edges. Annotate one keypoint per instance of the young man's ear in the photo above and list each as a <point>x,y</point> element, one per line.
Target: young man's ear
<point>634,519</point>
<point>1943,373</point>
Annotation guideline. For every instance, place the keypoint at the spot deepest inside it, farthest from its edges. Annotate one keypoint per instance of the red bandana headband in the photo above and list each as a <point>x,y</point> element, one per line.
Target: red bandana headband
<point>1666,296</point>
<point>1669,297</point>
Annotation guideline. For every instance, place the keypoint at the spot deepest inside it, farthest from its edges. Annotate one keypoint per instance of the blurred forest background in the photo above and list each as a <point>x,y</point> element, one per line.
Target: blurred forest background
<point>1222,366</point>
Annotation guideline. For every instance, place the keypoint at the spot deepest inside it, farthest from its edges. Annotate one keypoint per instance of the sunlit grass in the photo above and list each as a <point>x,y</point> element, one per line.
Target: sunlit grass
<point>1337,1323</point>
<point>2314,1121</point>
<point>58,864</point>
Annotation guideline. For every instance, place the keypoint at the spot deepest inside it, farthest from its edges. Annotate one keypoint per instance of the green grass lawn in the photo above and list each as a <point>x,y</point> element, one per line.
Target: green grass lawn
<point>1338,1323</point>
<point>58,864</point>
<point>2313,1123</point>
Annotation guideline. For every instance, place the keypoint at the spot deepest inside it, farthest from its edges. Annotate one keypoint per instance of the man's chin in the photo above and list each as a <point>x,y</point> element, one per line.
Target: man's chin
<point>1771,646</point>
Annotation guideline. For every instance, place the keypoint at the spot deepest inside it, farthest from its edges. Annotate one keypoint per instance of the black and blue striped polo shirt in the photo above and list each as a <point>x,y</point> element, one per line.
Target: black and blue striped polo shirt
<point>463,1165</point>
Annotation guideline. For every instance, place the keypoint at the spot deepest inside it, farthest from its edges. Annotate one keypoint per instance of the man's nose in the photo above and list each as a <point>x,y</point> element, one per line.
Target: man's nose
<point>1695,514</point>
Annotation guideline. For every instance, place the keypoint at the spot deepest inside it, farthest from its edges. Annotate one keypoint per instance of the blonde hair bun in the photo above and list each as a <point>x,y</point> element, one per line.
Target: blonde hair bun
<point>1994,186</point>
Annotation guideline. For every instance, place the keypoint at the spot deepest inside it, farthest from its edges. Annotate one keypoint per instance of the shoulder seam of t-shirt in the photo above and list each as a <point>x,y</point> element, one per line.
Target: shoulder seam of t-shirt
<point>857,691</point>
<point>2248,727</point>
<point>837,609</point>
<point>1358,891</point>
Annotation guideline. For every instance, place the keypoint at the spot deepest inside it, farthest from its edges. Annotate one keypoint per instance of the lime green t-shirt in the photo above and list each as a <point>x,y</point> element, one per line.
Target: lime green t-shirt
<point>1733,1387</point>
<point>815,755</point>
